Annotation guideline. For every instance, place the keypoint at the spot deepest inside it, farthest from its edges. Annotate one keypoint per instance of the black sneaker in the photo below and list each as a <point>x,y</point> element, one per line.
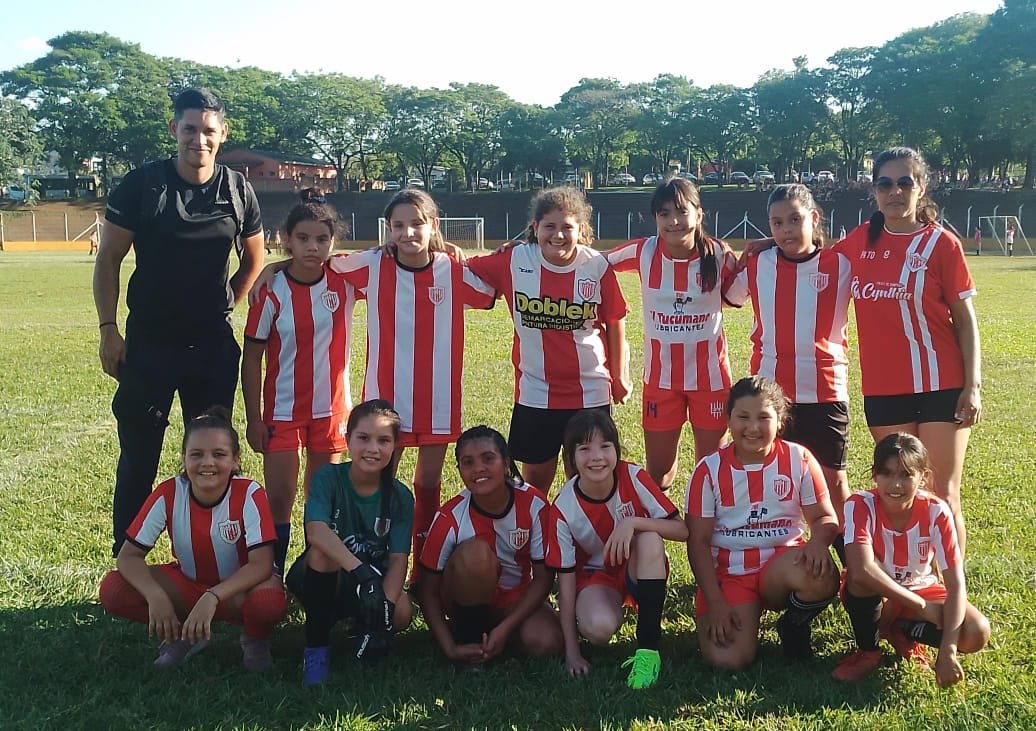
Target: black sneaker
<point>795,638</point>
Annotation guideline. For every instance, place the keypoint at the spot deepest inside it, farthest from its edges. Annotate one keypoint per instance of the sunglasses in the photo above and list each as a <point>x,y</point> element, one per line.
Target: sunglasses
<point>885,183</point>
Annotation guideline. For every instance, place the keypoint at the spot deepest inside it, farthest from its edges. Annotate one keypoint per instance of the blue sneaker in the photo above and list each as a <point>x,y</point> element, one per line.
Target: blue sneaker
<point>316,665</point>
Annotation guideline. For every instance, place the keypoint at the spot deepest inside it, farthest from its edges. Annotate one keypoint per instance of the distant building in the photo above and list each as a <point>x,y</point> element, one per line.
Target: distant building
<point>269,171</point>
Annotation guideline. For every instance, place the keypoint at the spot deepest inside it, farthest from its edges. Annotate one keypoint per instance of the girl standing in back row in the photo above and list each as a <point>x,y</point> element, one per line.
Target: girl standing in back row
<point>569,350</point>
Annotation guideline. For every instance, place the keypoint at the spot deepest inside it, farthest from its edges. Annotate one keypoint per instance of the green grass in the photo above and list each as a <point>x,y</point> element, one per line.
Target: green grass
<point>66,664</point>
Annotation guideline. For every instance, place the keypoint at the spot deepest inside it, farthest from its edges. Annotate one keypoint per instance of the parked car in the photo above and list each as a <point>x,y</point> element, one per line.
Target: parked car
<point>652,179</point>
<point>688,176</point>
<point>16,193</point>
<point>825,176</point>
<point>740,178</point>
<point>623,179</point>
<point>391,185</point>
<point>485,184</point>
<point>414,183</point>
<point>505,185</point>
<point>763,177</point>
<point>714,178</point>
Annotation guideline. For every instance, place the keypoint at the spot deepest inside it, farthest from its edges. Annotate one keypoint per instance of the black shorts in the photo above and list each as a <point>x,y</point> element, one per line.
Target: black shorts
<point>912,408</point>
<point>536,435</point>
<point>823,429</point>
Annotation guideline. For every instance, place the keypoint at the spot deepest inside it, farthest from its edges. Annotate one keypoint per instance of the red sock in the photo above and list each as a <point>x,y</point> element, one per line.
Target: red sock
<point>262,610</point>
<point>426,503</point>
<point>118,597</point>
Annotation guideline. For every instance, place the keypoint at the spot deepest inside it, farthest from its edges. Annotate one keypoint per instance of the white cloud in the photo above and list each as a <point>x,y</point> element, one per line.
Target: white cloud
<point>32,43</point>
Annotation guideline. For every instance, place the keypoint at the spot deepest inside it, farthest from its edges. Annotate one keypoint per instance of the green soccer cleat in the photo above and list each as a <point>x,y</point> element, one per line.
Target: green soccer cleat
<point>646,666</point>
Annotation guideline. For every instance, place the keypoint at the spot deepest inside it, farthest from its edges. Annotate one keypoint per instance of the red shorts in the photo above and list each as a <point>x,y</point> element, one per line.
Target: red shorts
<point>933,593</point>
<point>326,435</point>
<point>740,589</point>
<point>502,599</point>
<point>665,409</point>
<point>190,592</point>
<point>412,439</point>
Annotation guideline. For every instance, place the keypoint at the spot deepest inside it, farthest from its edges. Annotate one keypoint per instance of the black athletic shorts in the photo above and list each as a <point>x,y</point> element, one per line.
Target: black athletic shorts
<point>823,429</point>
<point>536,435</point>
<point>912,408</point>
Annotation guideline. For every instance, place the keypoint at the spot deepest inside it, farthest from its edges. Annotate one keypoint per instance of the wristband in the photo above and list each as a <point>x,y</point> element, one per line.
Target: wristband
<point>106,324</point>
<point>210,591</point>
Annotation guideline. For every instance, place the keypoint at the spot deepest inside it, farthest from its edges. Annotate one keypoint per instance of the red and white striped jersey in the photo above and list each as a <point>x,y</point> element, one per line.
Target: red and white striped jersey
<point>685,348</point>
<point>211,543</point>
<point>801,309</point>
<point>902,287</point>
<point>559,352</point>
<point>757,507</point>
<point>415,334</point>
<point>906,555</point>
<point>578,526</point>
<point>307,329</point>
<point>516,536</point>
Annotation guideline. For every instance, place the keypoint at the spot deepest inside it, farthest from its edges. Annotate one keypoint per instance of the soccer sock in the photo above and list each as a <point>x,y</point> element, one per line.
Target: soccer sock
<point>470,622</point>
<point>280,547</point>
<point>839,546</point>
<point>801,612</point>
<point>262,610</point>
<point>319,602</point>
<point>118,597</point>
<point>650,598</point>
<point>864,613</point>
<point>920,631</point>
<point>426,503</point>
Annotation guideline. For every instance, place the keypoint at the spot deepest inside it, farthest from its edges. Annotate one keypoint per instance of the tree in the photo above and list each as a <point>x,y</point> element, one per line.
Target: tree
<point>20,147</point>
<point>855,116</point>
<point>663,121</point>
<point>597,117</point>
<point>720,123</point>
<point>473,127</point>
<point>531,140</point>
<point>340,118</point>
<point>789,111</point>
<point>415,133</point>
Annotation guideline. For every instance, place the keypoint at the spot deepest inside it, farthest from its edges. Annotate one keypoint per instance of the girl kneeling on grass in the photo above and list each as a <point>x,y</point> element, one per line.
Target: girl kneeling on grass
<point>894,533</point>
<point>606,533</point>
<point>222,538</point>
<point>358,521</point>
<point>483,560</point>
<point>746,508</point>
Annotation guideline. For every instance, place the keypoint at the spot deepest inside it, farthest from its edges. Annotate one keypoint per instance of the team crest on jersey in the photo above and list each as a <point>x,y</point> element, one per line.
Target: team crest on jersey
<point>625,510</point>
<point>230,531</point>
<point>382,526</point>
<point>923,547</point>
<point>680,301</point>
<point>519,538</point>
<point>717,409</point>
<point>916,262</point>
<point>587,288</point>
<point>781,487</point>
<point>818,281</point>
<point>436,295</point>
<point>331,301</point>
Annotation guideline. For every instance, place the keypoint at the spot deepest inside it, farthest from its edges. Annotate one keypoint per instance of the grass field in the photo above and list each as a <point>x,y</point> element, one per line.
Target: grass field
<point>68,665</point>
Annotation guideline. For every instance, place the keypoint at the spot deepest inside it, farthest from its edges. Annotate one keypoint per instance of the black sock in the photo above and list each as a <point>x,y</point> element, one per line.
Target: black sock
<point>801,612</point>
<point>318,599</point>
<point>920,631</point>
<point>864,613</point>
<point>470,622</point>
<point>280,547</point>
<point>839,545</point>
<point>650,599</point>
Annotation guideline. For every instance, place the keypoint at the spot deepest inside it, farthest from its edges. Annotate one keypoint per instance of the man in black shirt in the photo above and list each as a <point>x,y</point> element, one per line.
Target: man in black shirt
<point>182,216</point>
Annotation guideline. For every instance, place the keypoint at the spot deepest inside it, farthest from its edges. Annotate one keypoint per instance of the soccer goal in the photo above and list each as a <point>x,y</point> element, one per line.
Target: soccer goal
<point>467,233</point>
<point>1004,232</point>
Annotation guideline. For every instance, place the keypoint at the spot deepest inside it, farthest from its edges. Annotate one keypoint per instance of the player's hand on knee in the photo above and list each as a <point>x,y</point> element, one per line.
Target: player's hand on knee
<point>375,609</point>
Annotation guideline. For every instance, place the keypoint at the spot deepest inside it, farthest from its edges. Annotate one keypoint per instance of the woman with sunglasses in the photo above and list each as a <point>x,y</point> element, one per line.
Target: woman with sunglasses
<point>920,358</point>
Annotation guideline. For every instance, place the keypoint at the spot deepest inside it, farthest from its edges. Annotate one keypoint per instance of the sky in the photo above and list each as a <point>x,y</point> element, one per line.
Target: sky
<point>533,50</point>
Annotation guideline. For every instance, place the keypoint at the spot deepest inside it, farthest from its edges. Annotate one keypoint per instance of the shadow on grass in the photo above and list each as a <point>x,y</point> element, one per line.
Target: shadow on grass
<point>74,667</point>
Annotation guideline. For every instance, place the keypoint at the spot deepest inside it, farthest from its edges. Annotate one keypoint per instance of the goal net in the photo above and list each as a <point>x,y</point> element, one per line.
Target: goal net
<point>1001,232</point>
<point>467,233</point>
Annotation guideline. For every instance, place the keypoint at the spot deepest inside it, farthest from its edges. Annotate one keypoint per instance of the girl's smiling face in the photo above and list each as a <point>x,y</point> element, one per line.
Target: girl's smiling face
<point>209,460</point>
<point>557,233</point>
